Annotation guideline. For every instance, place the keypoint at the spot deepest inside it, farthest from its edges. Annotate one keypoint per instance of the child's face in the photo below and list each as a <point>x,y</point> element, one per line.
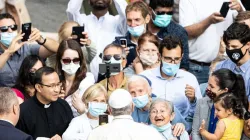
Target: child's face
<point>160,115</point>
<point>221,112</point>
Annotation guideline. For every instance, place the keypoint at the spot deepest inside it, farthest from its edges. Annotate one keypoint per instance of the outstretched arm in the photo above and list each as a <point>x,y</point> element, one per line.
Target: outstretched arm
<point>219,131</point>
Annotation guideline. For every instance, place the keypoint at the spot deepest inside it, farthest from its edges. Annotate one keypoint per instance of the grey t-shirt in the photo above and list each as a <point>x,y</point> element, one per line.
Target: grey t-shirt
<point>9,73</point>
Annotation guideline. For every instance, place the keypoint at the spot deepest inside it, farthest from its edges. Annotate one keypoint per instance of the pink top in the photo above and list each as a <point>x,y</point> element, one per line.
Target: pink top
<point>18,93</point>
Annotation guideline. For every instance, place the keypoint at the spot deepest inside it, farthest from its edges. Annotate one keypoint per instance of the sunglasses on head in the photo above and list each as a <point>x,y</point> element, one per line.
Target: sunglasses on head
<point>108,57</point>
<point>67,61</point>
<point>5,28</point>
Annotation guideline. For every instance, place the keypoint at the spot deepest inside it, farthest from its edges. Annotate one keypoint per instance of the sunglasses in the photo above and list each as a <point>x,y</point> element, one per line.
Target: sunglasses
<point>67,61</point>
<point>5,28</point>
<point>117,57</point>
<point>164,13</point>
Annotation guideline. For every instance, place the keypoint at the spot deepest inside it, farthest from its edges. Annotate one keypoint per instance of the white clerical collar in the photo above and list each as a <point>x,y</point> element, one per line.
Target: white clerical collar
<point>47,106</point>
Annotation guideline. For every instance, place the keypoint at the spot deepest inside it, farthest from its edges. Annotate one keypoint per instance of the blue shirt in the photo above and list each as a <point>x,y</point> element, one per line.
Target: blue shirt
<point>9,72</point>
<point>244,70</point>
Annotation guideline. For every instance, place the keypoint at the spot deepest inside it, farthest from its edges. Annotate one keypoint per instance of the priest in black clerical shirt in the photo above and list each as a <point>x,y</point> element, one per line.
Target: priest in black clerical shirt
<point>45,115</point>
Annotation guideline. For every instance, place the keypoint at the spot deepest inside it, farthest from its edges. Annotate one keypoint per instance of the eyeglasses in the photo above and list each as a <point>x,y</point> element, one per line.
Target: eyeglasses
<point>176,60</point>
<point>5,28</point>
<point>67,61</point>
<point>117,57</point>
<point>52,85</point>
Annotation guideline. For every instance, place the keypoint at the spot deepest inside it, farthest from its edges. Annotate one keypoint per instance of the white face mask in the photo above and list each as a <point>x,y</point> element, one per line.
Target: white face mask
<point>148,59</point>
<point>6,38</point>
<point>71,68</point>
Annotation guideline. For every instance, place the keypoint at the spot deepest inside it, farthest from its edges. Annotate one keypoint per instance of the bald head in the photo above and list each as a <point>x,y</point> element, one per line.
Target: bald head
<point>7,100</point>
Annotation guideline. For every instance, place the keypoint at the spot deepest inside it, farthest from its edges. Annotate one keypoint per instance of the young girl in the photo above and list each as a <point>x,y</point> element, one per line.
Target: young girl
<point>229,111</point>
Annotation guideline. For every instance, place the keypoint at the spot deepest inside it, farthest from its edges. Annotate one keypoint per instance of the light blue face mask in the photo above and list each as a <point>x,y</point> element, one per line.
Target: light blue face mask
<point>161,128</point>
<point>136,31</point>
<point>96,109</point>
<point>141,101</point>
<point>162,20</point>
<point>170,69</point>
<point>6,38</point>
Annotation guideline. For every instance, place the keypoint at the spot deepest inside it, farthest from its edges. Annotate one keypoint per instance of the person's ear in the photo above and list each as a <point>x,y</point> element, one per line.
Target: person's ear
<point>38,87</point>
<point>248,45</point>
<point>124,62</point>
<point>16,109</point>
<point>224,90</point>
<point>149,91</point>
<point>133,107</point>
<point>147,19</point>
<point>109,110</point>
<point>172,116</point>
<point>229,111</point>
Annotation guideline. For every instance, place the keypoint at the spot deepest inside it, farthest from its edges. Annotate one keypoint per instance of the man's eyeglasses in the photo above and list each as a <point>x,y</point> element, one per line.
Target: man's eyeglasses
<point>67,61</point>
<point>117,57</point>
<point>176,60</point>
<point>52,85</point>
<point>5,28</point>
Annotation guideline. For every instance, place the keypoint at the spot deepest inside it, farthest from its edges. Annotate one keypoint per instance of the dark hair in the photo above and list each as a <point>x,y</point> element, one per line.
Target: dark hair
<point>80,73</point>
<point>42,71</point>
<point>148,37</point>
<point>225,78</point>
<point>138,6</point>
<point>244,15</point>
<point>170,42</point>
<point>230,101</point>
<point>25,75</point>
<point>238,31</point>
<point>7,15</point>
<point>161,3</point>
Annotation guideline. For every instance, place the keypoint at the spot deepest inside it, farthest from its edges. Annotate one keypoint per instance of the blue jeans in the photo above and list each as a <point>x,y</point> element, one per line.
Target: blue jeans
<point>200,72</point>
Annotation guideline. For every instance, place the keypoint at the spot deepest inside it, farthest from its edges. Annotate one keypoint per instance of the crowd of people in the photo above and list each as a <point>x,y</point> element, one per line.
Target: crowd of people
<point>151,70</point>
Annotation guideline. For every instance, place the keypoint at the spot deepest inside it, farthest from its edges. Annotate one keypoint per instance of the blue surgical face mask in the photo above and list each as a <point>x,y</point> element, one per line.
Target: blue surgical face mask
<point>96,109</point>
<point>136,31</point>
<point>162,20</point>
<point>161,128</point>
<point>170,69</point>
<point>6,38</point>
<point>141,101</point>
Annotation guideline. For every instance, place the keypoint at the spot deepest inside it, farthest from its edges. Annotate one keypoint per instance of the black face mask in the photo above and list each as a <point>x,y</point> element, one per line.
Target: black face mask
<point>210,94</point>
<point>236,54</point>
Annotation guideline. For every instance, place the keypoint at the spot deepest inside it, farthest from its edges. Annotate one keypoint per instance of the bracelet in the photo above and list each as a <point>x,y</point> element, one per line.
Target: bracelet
<point>44,41</point>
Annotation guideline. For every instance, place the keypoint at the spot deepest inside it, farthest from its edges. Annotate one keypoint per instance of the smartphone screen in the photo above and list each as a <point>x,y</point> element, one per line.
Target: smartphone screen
<point>26,29</point>
<point>123,42</point>
<point>103,119</point>
<point>224,9</point>
<point>77,33</point>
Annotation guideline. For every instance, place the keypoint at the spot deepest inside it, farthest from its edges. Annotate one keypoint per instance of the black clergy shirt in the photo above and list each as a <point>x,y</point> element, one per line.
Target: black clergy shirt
<point>39,120</point>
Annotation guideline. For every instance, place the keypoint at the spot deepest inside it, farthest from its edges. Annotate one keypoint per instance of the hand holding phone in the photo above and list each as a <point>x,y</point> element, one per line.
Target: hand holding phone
<point>77,33</point>
<point>26,29</point>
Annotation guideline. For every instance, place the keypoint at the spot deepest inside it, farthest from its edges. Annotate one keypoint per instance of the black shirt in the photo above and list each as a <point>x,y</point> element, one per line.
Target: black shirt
<point>39,120</point>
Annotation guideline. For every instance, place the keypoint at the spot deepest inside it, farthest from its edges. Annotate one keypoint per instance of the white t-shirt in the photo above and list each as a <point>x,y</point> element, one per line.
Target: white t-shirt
<point>205,47</point>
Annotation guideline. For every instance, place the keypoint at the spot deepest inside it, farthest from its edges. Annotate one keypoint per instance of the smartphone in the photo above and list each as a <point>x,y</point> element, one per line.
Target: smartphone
<point>224,9</point>
<point>77,33</point>
<point>26,29</point>
<point>103,119</point>
<point>123,41</point>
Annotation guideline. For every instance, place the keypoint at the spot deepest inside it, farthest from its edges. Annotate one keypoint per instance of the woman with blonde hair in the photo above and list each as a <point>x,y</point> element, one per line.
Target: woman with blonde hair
<point>95,99</point>
<point>87,46</point>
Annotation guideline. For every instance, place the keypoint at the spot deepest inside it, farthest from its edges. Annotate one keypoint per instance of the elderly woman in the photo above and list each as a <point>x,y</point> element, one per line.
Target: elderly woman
<point>95,99</point>
<point>140,90</point>
<point>161,115</point>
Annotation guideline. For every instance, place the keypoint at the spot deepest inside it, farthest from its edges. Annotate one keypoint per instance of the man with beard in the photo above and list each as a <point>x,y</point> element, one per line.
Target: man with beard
<point>101,26</point>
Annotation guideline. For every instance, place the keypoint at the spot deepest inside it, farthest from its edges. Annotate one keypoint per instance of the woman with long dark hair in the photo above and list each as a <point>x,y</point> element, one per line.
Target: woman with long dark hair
<point>221,81</point>
<point>24,81</point>
<point>71,66</point>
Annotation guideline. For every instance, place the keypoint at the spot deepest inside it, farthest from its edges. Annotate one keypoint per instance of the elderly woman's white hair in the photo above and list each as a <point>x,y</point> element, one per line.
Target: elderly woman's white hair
<point>169,105</point>
<point>138,78</point>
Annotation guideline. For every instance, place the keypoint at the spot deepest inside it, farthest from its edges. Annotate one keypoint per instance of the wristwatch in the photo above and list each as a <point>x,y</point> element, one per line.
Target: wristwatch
<point>43,38</point>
